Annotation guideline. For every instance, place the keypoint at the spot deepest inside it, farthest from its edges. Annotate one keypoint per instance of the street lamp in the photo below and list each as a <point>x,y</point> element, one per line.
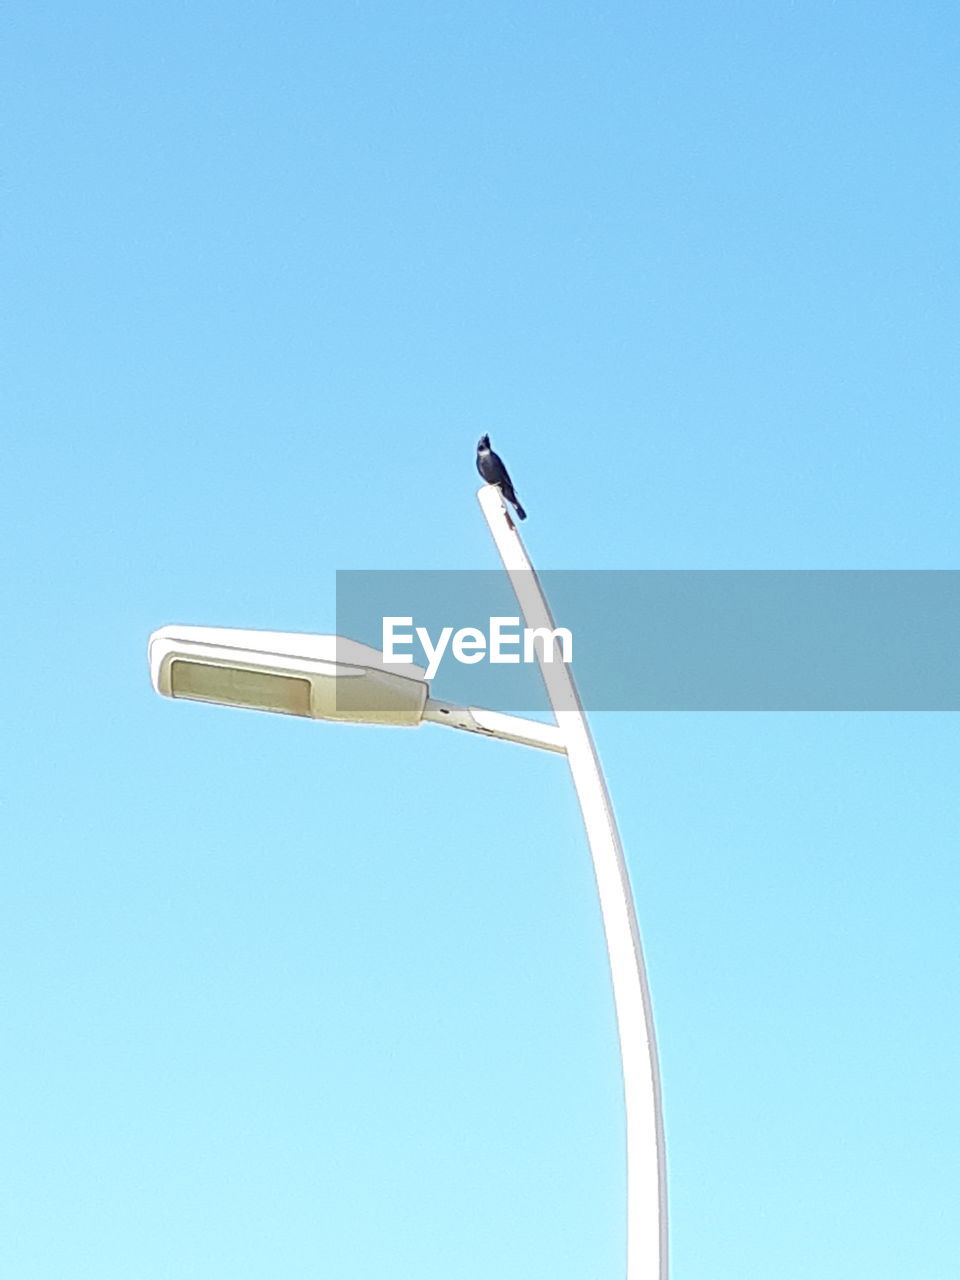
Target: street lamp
<point>332,678</point>
<point>318,677</point>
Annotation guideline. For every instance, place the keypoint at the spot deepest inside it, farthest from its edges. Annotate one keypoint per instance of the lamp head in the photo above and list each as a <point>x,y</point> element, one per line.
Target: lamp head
<point>319,677</point>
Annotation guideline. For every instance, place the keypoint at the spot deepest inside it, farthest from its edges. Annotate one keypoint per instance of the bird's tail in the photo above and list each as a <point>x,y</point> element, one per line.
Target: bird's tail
<point>506,488</point>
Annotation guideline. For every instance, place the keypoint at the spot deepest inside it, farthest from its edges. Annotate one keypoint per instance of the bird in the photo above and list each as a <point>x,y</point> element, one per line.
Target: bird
<point>491,467</point>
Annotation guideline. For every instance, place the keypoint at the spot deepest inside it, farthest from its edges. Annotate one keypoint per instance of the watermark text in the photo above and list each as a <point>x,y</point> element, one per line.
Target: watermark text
<point>503,642</point>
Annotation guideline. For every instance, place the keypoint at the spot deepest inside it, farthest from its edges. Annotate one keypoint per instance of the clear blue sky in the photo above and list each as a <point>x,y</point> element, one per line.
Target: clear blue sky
<point>288,1000</point>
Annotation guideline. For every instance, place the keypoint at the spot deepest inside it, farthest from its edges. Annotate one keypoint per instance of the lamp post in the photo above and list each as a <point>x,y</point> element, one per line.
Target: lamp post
<point>333,678</point>
<point>646,1152</point>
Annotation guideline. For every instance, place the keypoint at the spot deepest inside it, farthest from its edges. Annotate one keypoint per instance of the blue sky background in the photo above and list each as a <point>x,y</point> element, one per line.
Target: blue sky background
<point>286,999</point>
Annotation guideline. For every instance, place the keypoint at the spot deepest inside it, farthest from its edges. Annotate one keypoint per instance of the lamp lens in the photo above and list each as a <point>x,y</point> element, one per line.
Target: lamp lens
<point>239,687</point>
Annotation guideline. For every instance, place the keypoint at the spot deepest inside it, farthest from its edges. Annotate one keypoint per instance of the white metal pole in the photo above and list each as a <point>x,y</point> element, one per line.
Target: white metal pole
<point>646,1159</point>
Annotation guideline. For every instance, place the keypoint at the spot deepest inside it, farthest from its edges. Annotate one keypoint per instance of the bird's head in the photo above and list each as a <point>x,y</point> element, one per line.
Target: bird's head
<point>483,442</point>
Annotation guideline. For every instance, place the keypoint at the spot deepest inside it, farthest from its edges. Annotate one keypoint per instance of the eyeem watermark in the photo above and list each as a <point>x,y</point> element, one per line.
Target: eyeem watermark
<point>470,645</point>
<point>674,640</point>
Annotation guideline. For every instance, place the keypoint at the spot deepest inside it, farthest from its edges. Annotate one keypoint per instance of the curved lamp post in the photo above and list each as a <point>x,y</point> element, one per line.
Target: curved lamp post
<point>332,678</point>
<point>646,1153</point>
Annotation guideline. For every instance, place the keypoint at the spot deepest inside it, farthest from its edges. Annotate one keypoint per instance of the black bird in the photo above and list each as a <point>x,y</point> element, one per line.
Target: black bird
<point>494,472</point>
